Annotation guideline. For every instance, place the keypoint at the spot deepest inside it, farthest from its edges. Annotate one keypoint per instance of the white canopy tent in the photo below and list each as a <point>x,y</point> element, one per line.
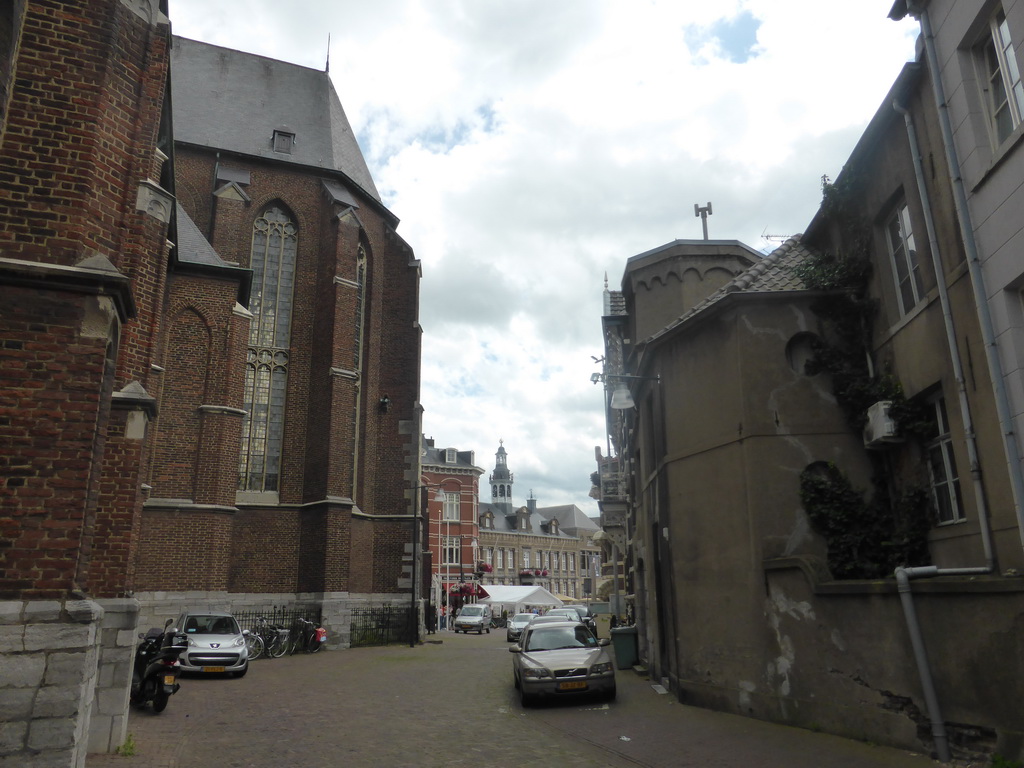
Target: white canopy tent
<point>515,599</point>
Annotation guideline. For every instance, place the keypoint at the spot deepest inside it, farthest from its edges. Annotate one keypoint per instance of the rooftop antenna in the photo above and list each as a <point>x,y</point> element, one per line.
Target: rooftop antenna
<point>327,66</point>
<point>703,213</point>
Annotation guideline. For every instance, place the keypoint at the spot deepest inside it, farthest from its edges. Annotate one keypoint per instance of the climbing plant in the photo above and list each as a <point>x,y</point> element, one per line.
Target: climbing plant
<point>866,538</point>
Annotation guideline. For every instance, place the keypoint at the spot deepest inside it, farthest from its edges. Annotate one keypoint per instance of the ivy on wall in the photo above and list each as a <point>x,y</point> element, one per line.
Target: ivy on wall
<point>866,539</point>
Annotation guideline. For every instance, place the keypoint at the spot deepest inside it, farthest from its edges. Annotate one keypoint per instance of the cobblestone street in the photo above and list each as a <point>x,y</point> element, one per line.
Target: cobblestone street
<point>451,703</point>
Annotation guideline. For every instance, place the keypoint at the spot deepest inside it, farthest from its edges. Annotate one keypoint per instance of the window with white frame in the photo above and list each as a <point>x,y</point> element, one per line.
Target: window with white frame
<point>539,559</point>
<point>500,562</point>
<point>451,506</point>
<point>489,556</point>
<point>572,562</point>
<point>450,456</point>
<point>450,554</point>
<point>899,236</point>
<point>526,558</point>
<point>942,468</point>
<point>1001,78</point>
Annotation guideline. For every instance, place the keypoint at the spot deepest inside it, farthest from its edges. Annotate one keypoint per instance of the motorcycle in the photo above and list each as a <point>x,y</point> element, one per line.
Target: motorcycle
<point>156,668</point>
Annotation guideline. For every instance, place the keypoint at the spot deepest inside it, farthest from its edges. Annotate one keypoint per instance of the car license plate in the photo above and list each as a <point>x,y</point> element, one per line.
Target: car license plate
<point>213,669</point>
<point>168,679</point>
<point>572,686</point>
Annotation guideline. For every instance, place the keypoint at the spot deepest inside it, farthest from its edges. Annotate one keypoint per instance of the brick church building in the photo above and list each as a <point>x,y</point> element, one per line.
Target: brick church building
<point>209,356</point>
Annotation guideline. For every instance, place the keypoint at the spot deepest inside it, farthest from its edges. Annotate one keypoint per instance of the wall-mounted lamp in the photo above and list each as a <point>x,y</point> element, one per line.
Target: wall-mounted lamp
<point>621,399</point>
<point>384,405</point>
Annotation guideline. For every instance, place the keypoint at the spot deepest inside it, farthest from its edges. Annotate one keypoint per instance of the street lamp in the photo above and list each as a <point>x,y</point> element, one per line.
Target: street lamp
<point>622,398</point>
<point>421,507</point>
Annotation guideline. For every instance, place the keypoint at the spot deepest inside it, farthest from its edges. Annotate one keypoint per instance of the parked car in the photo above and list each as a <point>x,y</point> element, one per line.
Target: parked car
<point>473,618</point>
<point>215,643</point>
<point>569,614</point>
<point>514,628</point>
<point>561,658</point>
<point>586,616</point>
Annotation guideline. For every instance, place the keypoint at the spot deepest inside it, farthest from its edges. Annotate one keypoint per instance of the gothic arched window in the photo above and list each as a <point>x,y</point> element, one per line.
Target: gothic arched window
<point>274,246</point>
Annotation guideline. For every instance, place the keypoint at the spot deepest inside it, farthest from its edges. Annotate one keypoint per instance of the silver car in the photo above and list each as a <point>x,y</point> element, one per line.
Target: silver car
<point>514,628</point>
<point>564,658</point>
<point>215,643</point>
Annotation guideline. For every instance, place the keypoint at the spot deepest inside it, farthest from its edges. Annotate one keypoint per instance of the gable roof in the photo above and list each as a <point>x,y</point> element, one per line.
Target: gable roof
<point>230,100</point>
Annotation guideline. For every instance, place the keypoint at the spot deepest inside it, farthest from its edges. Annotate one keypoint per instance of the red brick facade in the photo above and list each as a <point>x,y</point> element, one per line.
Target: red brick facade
<point>81,281</point>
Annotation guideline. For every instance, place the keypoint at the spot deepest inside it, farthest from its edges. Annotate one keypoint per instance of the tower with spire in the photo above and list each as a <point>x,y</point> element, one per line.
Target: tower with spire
<point>501,481</point>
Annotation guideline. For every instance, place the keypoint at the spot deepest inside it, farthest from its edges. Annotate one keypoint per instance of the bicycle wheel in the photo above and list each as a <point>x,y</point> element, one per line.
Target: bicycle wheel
<point>312,643</point>
<point>278,645</point>
<point>255,644</point>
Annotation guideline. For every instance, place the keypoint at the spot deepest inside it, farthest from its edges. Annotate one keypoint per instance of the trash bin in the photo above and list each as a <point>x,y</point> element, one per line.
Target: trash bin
<point>624,643</point>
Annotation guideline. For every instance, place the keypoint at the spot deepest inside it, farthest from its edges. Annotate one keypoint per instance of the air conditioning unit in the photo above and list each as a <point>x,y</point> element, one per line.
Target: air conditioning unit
<point>880,429</point>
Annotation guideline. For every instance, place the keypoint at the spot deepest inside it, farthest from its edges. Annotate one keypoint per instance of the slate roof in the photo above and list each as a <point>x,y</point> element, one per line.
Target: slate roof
<point>571,518</point>
<point>772,274</point>
<point>230,100</point>
<point>193,248</point>
<point>506,523</point>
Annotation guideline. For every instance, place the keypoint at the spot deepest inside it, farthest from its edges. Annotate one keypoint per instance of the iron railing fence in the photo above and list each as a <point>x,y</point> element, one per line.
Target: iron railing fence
<point>383,625</point>
<point>278,615</point>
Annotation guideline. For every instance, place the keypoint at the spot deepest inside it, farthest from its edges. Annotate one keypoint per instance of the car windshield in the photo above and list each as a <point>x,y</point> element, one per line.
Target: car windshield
<point>558,638</point>
<point>568,612</point>
<point>522,618</point>
<point>211,625</point>
<point>472,610</point>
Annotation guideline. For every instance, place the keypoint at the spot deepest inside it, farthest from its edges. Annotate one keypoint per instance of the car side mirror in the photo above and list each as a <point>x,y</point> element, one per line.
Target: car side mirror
<point>604,641</point>
<point>515,649</point>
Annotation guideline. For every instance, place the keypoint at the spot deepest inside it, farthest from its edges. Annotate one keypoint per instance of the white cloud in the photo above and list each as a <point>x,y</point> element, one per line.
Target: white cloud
<point>531,147</point>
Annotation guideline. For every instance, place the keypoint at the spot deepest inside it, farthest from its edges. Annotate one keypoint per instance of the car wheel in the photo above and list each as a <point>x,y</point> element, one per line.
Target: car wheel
<point>242,671</point>
<point>488,630</point>
<point>515,680</point>
<point>610,695</point>
<point>524,698</point>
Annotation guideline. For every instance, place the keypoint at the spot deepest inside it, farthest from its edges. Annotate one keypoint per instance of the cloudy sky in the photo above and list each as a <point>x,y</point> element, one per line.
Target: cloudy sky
<point>530,147</point>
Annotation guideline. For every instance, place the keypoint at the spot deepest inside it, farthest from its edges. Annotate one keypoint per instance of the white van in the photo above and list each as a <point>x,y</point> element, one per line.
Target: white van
<point>473,618</point>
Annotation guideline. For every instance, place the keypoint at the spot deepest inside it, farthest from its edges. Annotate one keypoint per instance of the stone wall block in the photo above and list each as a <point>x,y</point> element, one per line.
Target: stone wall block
<point>10,611</point>
<point>22,670</point>
<point>58,701</point>
<point>69,668</point>
<point>12,638</point>
<point>12,736</point>
<point>112,702</point>
<point>16,703</point>
<point>51,636</point>
<point>42,610</point>
<point>52,733</point>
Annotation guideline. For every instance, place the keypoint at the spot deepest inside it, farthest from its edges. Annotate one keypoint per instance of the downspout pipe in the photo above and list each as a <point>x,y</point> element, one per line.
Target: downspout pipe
<point>903,577</point>
<point>984,523</point>
<point>995,366</point>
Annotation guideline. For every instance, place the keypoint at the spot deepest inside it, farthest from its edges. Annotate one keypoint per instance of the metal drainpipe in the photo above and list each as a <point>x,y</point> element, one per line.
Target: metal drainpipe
<point>903,577</point>
<point>995,367</point>
<point>954,355</point>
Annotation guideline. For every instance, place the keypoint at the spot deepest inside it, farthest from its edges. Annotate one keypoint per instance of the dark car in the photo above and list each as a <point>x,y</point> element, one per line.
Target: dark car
<point>586,616</point>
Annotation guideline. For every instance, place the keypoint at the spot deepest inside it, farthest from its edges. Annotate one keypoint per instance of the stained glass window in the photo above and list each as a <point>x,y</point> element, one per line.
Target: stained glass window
<point>274,244</point>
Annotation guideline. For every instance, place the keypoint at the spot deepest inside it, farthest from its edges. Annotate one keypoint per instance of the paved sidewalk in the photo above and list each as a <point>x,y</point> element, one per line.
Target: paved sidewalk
<point>451,704</point>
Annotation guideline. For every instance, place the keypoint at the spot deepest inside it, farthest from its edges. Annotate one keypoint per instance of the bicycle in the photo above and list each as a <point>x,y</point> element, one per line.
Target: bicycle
<point>272,637</point>
<point>305,636</point>
<point>498,622</point>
